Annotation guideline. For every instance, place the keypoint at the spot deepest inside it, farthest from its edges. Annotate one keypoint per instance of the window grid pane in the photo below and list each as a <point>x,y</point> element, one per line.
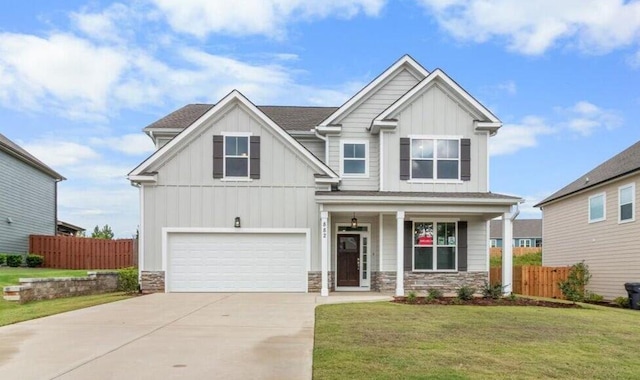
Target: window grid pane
<point>435,159</point>
<point>434,246</point>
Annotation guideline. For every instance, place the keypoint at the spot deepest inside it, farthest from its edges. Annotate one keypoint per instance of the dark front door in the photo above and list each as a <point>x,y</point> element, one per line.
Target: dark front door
<point>348,260</point>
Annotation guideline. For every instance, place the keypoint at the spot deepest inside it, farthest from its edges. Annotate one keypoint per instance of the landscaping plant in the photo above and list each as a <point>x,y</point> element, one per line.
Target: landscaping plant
<point>34,261</point>
<point>433,294</point>
<point>573,287</point>
<point>3,259</point>
<point>128,280</point>
<point>622,302</point>
<point>411,297</point>
<point>14,261</point>
<point>492,291</point>
<point>465,293</point>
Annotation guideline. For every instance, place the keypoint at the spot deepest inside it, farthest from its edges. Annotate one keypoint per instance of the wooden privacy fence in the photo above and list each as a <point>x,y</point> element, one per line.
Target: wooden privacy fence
<point>68,252</point>
<point>534,280</point>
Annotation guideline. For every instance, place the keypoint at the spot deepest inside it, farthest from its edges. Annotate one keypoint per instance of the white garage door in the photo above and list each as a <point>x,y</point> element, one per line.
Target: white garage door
<point>237,262</point>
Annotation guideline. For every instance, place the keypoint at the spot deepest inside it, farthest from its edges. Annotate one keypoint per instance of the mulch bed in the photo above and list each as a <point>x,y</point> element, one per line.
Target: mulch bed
<point>518,301</point>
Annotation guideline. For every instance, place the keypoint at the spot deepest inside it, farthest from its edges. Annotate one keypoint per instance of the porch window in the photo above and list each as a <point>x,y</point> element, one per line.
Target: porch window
<point>435,158</point>
<point>626,199</point>
<point>434,246</point>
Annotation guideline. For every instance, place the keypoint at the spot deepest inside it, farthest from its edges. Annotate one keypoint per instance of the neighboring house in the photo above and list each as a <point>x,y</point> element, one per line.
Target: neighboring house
<point>595,219</point>
<point>388,192</point>
<point>68,229</point>
<point>28,204</point>
<point>526,233</point>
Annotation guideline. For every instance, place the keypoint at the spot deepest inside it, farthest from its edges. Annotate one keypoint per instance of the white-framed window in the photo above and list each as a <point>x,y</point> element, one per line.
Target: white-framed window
<point>627,203</point>
<point>524,242</point>
<point>435,246</point>
<point>354,158</point>
<point>435,158</point>
<point>236,156</point>
<point>597,208</point>
<point>493,243</point>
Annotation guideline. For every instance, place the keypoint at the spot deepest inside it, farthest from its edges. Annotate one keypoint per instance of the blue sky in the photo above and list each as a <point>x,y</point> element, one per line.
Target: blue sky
<point>80,79</point>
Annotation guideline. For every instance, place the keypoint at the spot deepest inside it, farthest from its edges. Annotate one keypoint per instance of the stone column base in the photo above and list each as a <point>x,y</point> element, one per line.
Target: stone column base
<point>152,282</point>
<point>315,281</point>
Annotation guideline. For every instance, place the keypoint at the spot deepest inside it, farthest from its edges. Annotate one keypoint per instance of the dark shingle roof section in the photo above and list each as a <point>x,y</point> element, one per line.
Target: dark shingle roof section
<point>626,162</point>
<point>417,194</point>
<point>522,228</point>
<point>288,117</point>
<point>18,152</point>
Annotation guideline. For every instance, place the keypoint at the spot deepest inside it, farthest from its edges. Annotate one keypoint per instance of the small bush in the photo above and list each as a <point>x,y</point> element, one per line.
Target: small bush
<point>594,297</point>
<point>573,287</point>
<point>34,261</point>
<point>492,291</point>
<point>411,297</point>
<point>512,297</point>
<point>434,294</point>
<point>128,280</point>
<point>3,259</point>
<point>14,261</point>
<point>465,293</point>
<point>622,301</point>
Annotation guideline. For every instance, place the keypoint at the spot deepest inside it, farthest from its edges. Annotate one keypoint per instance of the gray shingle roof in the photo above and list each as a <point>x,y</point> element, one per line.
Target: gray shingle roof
<point>290,118</point>
<point>417,194</point>
<point>522,228</point>
<point>626,162</point>
<point>18,152</point>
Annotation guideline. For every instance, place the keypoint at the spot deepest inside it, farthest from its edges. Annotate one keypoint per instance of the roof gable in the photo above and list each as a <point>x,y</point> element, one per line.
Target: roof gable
<point>17,151</point>
<point>405,62</point>
<point>220,107</point>
<point>625,162</point>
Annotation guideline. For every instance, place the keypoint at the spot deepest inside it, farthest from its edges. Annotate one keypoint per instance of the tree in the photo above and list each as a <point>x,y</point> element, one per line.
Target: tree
<point>104,233</point>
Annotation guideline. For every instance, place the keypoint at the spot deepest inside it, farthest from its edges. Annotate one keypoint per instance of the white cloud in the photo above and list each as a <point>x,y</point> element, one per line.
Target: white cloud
<point>533,27</point>
<point>134,144</point>
<point>57,153</point>
<point>513,137</point>
<point>509,87</point>
<point>256,17</point>
<point>584,118</point>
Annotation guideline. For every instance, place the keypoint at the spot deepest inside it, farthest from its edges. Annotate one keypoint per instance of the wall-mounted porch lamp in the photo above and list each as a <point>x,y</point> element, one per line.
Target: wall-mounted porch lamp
<point>236,222</point>
<point>354,221</point>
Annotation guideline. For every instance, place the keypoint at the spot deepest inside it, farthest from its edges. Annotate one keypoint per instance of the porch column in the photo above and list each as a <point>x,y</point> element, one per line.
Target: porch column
<point>400,253</point>
<point>324,258</point>
<point>507,253</point>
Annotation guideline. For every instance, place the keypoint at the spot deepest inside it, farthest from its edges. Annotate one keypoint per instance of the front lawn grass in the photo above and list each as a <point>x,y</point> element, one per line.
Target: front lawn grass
<point>394,341</point>
<point>10,276</point>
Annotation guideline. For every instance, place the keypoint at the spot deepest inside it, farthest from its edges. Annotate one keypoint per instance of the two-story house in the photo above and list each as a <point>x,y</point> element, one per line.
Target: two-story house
<point>388,192</point>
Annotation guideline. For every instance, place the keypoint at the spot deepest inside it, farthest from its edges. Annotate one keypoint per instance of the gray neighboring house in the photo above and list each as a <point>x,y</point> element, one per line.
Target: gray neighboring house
<point>595,219</point>
<point>28,205</point>
<point>388,192</point>
<point>526,233</point>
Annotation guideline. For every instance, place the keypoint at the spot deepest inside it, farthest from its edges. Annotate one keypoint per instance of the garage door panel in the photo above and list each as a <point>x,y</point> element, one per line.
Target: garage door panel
<point>237,262</point>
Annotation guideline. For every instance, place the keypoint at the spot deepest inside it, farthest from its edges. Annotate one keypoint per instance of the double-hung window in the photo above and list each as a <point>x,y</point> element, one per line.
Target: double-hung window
<point>435,159</point>
<point>597,208</point>
<point>434,246</point>
<point>236,156</point>
<point>524,243</point>
<point>626,203</point>
<point>354,158</point>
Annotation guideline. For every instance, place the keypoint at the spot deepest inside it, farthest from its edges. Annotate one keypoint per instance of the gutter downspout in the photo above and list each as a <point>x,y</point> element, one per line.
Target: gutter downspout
<point>326,146</point>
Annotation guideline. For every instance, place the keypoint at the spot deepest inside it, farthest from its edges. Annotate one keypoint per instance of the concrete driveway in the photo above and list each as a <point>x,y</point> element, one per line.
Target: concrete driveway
<point>171,336</point>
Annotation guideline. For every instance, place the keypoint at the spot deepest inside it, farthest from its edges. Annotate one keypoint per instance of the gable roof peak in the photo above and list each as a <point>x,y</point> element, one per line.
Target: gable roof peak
<point>20,153</point>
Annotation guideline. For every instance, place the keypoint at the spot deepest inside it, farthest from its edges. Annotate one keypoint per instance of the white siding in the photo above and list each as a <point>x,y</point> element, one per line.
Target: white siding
<point>315,146</point>
<point>611,250</point>
<point>389,255</point>
<point>477,249</point>
<point>187,195</point>
<point>436,113</point>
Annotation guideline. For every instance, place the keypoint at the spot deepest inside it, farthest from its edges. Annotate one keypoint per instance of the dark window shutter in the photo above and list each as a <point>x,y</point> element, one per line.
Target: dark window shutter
<point>254,154</point>
<point>218,156</point>
<point>465,159</point>
<point>462,246</point>
<point>408,245</point>
<point>405,158</point>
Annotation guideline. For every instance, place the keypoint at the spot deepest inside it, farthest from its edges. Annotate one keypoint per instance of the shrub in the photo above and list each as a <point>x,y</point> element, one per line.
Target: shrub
<point>573,287</point>
<point>621,301</point>
<point>411,297</point>
<point>128,280</point>
<point>492,291</point>
<point>14,261</point>
<point>433,294</point>
<point>465,293</point>
<point>3,259</point>
<point>594,297</point>
<point>512,297</point>
<point>34,261</point>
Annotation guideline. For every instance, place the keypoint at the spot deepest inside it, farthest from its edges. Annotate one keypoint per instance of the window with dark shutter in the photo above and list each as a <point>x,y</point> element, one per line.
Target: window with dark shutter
<point>218,156</point>
<point>254,154</point>
<point>465,159</point>
<point>462,246</point>
<point>405,158</point>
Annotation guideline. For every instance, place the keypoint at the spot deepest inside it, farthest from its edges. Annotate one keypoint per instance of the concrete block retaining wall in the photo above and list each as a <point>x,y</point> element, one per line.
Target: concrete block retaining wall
<point>34,289</point>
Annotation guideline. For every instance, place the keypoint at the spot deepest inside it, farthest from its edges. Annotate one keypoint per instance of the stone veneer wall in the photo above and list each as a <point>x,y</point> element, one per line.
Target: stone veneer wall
<point>152,281</point>
<point>448,283</point>
<point>35,289</point>
<point>315,279</point>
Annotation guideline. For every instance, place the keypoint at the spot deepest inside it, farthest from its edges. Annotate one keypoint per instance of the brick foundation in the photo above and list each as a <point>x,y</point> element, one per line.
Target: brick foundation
<point>152,282</point>
<point>315,279</point>
<point>420,282</point>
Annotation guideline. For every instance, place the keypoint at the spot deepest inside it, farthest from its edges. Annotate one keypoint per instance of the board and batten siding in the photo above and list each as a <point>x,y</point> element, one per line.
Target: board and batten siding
<point>356,122</point>
<point>28,197</point>
<point>435,113</point>
<point>187,195</point>
<point>477,248</point>
<point>611,249</point>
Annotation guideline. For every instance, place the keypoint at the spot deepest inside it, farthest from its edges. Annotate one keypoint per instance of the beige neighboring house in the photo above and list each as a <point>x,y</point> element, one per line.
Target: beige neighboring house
<point>595,219</point>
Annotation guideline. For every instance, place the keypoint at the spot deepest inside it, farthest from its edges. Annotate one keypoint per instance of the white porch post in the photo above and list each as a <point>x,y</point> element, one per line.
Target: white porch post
<point>507,253</point>
<point>400,253</point>
<point>324,263</point>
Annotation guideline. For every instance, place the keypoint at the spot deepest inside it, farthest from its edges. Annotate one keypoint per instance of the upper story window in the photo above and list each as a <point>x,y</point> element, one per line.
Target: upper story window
<point>626,203</point>
<point>355,158</point>
<point>597,208</point>
<point>236,156</point>
<point>435,158</point>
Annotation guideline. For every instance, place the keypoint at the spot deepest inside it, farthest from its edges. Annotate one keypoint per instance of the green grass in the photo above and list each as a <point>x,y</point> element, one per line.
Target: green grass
<point>534,258</point>
<point>394,341</point>
<point>12,312</point>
